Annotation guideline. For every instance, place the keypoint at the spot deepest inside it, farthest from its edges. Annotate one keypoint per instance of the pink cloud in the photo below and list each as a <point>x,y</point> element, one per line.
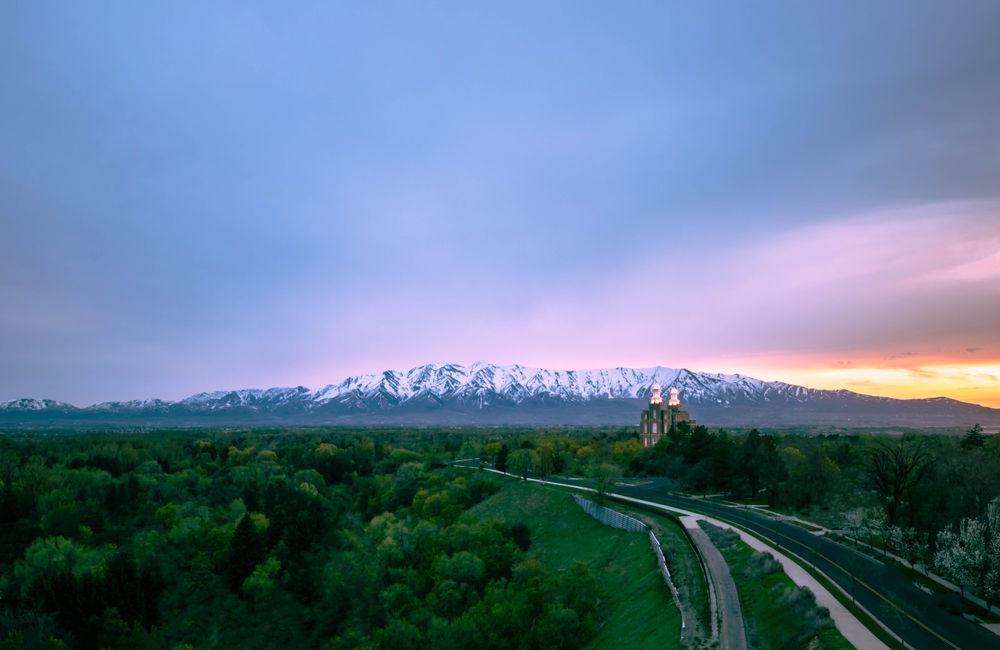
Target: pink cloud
<point>853,288</point>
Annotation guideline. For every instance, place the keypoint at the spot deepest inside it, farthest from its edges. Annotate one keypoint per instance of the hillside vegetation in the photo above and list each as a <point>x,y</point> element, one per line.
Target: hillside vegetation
<point>640,612</point>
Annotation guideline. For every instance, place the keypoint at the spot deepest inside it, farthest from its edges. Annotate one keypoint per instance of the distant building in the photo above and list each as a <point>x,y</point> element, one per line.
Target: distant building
<point>657,419</point>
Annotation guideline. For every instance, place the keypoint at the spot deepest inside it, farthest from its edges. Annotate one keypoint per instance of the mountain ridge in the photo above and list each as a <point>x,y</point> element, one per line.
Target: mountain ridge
<point>484,393</point>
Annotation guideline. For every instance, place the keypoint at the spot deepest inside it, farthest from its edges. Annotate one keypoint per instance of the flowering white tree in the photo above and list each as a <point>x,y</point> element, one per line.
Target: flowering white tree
<point>866,522</point>
<point>991,577</point>
<point>873,524</point>
<point>909,543</point>
<point>961,554</point>
<point>970,554</point>
<point>854,521</point>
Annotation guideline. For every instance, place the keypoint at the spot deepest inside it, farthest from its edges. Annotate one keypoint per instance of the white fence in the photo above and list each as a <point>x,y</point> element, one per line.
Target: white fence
<point>660,560</point>
<point>665,572</point>
<point>615,519</point>
<point>610,517</point>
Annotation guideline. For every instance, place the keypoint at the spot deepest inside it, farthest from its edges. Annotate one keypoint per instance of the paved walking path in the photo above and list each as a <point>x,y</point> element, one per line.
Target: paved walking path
<point>732,631</point>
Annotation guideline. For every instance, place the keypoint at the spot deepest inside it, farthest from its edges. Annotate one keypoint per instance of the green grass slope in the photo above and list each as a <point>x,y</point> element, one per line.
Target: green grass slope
<point>640,611</point>
<point>682,560</point>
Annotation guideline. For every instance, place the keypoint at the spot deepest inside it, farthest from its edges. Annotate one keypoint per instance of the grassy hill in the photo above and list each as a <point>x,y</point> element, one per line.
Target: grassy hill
<point>640,611</point>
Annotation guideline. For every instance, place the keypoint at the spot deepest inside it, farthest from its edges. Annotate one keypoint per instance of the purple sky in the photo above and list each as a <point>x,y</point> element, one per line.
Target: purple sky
<point>241,195</point>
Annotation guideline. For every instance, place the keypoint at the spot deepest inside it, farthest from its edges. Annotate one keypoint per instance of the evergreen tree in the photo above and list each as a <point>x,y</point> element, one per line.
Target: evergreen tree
<point>974,438</point>
<point>246,550</point>
<point>501,463</point>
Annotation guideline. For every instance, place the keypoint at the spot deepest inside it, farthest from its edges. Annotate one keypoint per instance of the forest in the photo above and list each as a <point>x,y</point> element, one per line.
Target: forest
<point>260,540</point>
<point>362,538</point>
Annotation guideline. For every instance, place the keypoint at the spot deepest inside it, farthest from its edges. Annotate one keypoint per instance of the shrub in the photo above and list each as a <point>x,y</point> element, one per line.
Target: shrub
<point>522,535</point>
<point>802,601</point>
<point>762,564</point>
<point>723,538</point>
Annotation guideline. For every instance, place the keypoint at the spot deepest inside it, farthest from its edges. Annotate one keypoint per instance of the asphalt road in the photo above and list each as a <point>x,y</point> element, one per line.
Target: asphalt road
<point>882,589</point>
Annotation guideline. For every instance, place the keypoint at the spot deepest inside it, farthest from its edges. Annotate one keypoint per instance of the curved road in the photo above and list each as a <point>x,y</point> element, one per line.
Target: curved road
<point>885,592</point>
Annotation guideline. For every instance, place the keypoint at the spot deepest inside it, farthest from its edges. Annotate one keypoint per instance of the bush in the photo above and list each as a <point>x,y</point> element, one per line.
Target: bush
<point>723,538</point>
<point>762,564</point>
<point>803,603</point>
<point>521,535</point>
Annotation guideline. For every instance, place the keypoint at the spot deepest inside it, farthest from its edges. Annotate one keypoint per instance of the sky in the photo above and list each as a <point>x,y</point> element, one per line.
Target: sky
<point>205,196</point>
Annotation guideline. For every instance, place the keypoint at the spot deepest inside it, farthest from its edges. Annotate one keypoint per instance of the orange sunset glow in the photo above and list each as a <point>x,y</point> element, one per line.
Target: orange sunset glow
<point>977,383</point>
<point>902,376</point>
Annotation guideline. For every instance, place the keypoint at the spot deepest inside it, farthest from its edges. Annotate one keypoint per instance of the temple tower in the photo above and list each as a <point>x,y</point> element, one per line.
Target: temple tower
<point>657,420</point>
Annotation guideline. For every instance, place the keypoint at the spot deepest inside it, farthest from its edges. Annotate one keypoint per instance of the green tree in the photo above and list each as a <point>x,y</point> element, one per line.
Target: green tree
<point>605,476</point>
<point>49,557</point>
<point>260,584</point>
<point>896,470</point>
<point>759,462</point>
<point>546,460</point>
<point>811,477</point>
<point>522,462</point>
<point>721,462</point>
<point>698,446</point>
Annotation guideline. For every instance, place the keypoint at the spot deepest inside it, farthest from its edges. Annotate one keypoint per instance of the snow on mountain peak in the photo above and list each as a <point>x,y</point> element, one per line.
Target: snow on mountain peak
<point>32,404</point>
<point>479,385</point>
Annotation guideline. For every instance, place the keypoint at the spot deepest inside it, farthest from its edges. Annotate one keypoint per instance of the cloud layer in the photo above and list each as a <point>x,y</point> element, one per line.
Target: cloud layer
<point>232,196</point>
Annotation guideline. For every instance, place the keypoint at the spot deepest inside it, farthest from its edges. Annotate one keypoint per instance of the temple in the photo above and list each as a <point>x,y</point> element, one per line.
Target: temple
<point>657,419</point>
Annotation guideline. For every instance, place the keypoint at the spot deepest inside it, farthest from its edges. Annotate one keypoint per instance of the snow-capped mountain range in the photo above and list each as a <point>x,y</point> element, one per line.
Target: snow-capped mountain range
<point>515,394</point>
